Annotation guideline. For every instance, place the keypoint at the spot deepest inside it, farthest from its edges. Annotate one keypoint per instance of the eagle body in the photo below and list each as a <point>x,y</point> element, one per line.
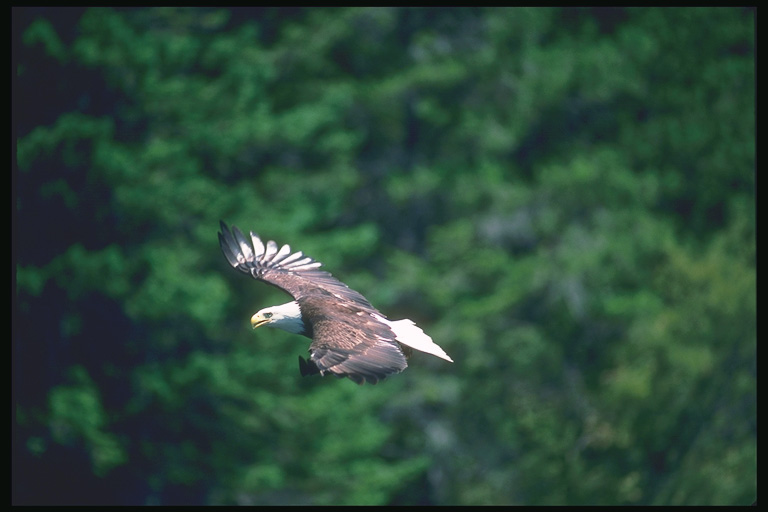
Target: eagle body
<point>350,338</point>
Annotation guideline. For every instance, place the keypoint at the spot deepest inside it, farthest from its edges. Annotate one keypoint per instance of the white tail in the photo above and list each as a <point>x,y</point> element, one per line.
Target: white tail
<point>411,335</point>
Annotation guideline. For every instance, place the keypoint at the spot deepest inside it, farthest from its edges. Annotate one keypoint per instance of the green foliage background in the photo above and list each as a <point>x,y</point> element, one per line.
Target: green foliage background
<point>564,199</point>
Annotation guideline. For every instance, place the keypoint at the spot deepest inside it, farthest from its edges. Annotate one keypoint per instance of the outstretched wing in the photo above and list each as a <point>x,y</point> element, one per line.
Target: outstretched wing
<point>295,273</point>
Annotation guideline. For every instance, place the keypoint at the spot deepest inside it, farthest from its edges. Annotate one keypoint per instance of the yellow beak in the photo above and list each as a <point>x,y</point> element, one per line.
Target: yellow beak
<point>258,320</point>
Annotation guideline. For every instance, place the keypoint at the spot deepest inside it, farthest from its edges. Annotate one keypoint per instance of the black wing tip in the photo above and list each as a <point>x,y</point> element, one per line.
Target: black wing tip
<point>228,245</point>
<point>226,232</point>
<point>230,232</point>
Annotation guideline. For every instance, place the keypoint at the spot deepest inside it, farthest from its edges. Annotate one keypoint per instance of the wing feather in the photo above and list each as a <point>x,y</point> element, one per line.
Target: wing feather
<point>258,246</point>
<point>305,264</point>
<point>284,251</point>
<point>296,273</point>
<point>292,258</point>
<point>245,250</point>
<point>271,250</point>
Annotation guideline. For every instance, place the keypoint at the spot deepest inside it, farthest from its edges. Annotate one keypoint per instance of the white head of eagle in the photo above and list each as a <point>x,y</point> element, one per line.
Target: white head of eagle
<point>286,317</point>
<point>350,338</point>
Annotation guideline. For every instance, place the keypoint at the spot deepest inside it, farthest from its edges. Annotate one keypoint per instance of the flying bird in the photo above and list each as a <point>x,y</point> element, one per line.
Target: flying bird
<point>350,338</point>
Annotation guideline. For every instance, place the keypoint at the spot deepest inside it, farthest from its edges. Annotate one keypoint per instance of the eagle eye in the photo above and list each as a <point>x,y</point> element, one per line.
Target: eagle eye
<point>267,315</point>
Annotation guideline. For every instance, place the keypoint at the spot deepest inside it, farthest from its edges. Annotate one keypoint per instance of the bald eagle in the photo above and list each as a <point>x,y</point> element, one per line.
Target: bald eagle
<point>350,338</point>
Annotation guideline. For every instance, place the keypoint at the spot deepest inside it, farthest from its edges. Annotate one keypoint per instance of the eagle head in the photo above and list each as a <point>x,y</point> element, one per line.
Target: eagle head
<point>286,317</point>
